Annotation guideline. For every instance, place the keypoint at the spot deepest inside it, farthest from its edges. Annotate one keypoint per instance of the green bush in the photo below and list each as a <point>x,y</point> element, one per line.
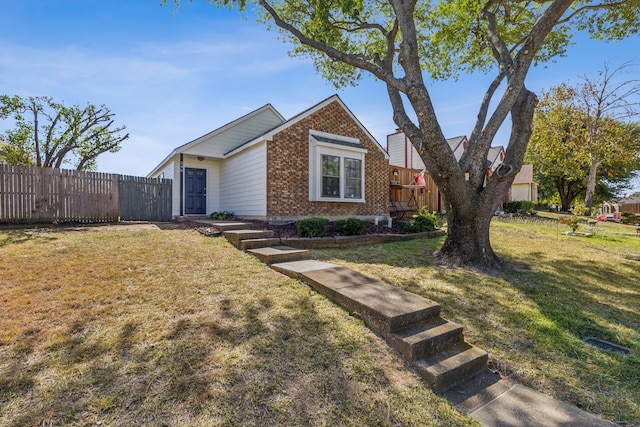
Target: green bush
<point>221,216</point>
<point>312,227</point>
<point>522,206</point>
<point>629,218</point>
<point>350,226</point>
<point>424,221</point>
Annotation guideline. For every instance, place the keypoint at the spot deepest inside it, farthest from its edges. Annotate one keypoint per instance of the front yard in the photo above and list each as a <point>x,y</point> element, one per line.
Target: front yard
<point>114,326</point>
<point>168,327</point>
<point>532,319</point>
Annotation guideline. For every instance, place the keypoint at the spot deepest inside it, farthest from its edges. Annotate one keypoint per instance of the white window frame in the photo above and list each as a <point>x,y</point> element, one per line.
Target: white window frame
<point>343,147</point>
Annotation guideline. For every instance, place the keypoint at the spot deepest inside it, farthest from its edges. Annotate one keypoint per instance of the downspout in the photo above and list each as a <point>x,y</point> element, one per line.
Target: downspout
<point>181,185</point>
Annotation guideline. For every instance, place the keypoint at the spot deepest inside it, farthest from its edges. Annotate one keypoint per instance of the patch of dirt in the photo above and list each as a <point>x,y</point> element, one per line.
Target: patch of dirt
<point>103,226</point>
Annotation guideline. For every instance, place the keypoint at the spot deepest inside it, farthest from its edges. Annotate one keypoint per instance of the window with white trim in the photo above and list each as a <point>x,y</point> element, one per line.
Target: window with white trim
<point>336,168</point>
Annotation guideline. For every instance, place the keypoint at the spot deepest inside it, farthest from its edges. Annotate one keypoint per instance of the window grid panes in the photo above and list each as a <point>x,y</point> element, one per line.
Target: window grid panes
<point>330,176</point>
<point>353,178</point>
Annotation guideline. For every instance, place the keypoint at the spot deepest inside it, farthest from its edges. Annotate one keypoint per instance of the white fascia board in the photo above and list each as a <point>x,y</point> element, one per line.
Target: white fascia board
<point>223,128</point>
<point>246,145</point>
<point>162,164</point>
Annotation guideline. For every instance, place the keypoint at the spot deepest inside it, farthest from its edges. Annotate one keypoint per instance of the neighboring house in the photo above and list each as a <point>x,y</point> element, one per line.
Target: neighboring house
<point>322,162</point>
<point>627,204</point>
<point>630,204</point>
<point>523,186</point>
<point>403,154</point>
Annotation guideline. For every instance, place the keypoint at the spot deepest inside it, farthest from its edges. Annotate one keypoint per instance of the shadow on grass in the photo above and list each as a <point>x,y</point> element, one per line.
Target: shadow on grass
<point>292,368</point>
<point>535,316</point>
<point>11,237</point>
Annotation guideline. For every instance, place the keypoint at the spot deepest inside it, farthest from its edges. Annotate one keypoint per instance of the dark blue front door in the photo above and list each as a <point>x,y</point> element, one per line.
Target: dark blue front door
<point>195,182</point>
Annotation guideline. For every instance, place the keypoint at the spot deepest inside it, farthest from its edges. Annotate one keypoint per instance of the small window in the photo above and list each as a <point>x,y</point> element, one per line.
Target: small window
<point>330,176</point>
<point>353,178</point>
<point>336,168</point>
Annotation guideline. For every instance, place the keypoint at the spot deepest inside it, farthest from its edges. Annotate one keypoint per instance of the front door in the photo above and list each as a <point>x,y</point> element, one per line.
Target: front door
<point>195,191</point>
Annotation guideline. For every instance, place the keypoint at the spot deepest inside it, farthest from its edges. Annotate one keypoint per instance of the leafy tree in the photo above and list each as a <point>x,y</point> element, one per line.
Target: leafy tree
<point>397,41</point>
<point>577,148</point>
<point>48,133</point>
<point>603,106</point>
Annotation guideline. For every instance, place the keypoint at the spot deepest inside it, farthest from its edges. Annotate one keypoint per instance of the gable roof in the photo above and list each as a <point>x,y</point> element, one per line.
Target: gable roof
<point>231,134</point>
<point>298,117</point>
<point>525,176</point>
<point>263,124</point>
<point>455,144</point>
<point>629,200</point>
<point>492,157</point>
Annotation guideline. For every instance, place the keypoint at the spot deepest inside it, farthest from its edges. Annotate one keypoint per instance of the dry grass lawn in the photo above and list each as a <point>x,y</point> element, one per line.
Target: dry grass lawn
<point>533,317</point>
<point>143,326</point>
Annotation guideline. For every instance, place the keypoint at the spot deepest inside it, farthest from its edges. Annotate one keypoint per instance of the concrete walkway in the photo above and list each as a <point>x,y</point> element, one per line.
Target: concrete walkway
<point>487,398</point>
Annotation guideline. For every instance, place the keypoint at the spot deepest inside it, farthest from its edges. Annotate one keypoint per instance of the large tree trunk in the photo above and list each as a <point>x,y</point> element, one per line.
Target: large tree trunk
<point>565,194</point>
<point>591,186</point>
<point>467,241</point>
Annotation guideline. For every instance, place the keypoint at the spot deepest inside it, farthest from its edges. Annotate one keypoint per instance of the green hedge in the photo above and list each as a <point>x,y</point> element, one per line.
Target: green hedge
<point>350,226</point>
<point>312,227</point>
<point>629,218</point>
<point>514,206</point>
<point>221,216</point>
<point>424,221</point>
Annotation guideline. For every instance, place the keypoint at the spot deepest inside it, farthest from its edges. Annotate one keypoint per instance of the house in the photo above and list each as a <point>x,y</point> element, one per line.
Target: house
<point>403,154</point>
<point>523,186</point>
<point>322,162</point>
<point>626,204</point>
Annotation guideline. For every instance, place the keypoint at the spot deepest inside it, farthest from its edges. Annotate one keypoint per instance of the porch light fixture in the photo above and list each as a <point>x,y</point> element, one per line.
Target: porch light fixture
<point>200,158</point>
<point>395,172</point>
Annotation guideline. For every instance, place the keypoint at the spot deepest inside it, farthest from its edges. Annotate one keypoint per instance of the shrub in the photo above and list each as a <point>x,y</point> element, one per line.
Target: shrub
<point>579,210</point>
<point>629,218</point>
<point>424,221</point>
<point>312,227</point>
<point>221,216</point>
<point>350,226</point>
<point>571,221</point>
<point>521,206</point>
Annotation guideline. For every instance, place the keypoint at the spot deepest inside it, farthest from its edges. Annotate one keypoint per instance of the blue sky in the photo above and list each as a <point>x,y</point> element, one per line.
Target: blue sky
<point>171,77</point>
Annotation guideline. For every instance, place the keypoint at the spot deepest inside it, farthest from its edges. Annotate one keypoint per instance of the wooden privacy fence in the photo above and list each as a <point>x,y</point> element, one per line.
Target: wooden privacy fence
<point>44,195</point>
<point>144,199</point>
<point>428,196</point>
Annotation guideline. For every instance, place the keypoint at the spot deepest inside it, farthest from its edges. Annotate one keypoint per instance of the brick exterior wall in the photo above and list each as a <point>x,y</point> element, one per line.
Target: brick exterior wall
<point>288,170</point>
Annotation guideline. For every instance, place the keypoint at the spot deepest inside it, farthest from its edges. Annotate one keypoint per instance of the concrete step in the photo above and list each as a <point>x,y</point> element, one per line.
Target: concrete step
<point>276,254</point>
<point>383,307</point>
<point>452,366</point>
<point>231,225</point>
<point>236,236</point>
<point>426,338</point>
<point>265,242</point>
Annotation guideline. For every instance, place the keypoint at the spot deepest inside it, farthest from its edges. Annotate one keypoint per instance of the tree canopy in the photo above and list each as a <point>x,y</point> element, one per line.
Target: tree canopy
<point>583,139</point>
<point>47,133</point>
<point>401,43</point>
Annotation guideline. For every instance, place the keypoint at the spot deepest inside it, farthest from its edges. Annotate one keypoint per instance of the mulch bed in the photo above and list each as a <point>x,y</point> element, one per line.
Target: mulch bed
<point>287,231</point>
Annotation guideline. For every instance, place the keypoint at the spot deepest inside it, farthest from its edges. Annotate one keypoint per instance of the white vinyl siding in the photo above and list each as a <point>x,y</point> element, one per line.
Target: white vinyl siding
<point>396,147</point>
<point>402,153</point>
<point>243,185</point>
